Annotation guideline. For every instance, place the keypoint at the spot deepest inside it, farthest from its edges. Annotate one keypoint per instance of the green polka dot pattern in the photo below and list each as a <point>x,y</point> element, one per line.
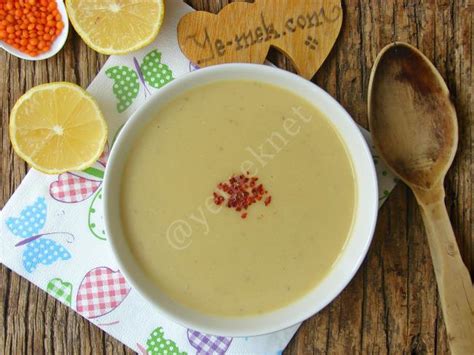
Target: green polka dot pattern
<point>158,345</point>
<point>156,74</point>
<point>96,220</point>
<point>126,85</point>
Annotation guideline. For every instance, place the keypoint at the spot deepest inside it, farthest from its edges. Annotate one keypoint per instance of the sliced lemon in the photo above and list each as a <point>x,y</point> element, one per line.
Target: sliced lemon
<point>57,127</point>
<point>116,26</point>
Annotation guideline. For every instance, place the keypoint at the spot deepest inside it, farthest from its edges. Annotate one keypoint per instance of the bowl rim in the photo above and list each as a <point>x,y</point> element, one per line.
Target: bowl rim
<point>348,261</point>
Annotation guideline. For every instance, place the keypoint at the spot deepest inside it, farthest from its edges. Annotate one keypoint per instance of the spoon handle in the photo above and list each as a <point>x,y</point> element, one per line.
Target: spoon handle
<point>455,287</point>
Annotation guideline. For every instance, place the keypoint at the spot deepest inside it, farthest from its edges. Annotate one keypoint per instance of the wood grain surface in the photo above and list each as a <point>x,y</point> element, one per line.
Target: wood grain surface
<point>391,306</point>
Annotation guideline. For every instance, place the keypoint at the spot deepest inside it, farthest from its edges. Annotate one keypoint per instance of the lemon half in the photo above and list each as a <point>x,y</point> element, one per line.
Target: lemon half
<point>116,26</point>
<point>57,127</point>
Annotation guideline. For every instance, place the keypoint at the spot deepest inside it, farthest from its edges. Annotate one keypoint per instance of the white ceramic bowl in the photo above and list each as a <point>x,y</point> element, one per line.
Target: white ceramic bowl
<point>344,268</point>
<point>55,47</point>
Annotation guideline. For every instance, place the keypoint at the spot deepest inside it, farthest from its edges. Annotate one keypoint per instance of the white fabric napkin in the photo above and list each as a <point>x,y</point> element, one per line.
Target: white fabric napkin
<point>52,231</point>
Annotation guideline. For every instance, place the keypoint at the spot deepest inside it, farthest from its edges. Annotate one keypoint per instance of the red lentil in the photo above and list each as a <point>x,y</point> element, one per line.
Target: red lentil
<point>30,26</point>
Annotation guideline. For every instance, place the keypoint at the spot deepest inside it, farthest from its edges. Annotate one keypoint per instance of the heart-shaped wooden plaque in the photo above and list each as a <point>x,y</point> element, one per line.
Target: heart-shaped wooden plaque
<point>305,30</point>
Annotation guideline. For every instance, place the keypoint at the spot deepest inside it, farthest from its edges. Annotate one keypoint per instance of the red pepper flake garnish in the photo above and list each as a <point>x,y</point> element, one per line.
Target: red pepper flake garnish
<point>240,192</point>
<point>268,200</point>
<point>218,199</point>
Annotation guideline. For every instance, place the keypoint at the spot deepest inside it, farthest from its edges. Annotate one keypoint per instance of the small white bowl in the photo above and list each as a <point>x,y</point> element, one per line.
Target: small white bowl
<point>351,256</point>
<point>56,45</point>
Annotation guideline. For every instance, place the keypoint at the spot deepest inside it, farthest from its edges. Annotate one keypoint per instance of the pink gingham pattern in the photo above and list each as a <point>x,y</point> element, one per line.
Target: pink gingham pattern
<point>101,291</point>
<point>71,188</point>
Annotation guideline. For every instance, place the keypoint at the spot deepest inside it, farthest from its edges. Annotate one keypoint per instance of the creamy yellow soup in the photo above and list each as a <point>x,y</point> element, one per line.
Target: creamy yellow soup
<point>214,258</point>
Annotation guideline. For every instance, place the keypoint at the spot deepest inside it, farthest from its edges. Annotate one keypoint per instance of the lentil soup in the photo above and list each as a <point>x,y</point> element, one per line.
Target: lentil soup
<point>237,198</point>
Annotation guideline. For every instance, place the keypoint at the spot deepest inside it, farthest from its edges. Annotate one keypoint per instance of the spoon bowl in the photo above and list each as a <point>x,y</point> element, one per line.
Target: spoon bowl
<point>56,46</point>
<point>410,103</point>
<point>414,127</point>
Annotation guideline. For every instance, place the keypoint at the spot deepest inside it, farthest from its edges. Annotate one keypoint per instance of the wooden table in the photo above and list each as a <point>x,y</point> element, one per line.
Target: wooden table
<point>391,306</point>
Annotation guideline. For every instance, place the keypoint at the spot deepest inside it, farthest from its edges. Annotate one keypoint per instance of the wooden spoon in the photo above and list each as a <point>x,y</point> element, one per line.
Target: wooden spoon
<point>414,127</point>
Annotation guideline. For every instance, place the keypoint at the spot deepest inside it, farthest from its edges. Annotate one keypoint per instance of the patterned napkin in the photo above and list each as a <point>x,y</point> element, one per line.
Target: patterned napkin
<point>52,230</point>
